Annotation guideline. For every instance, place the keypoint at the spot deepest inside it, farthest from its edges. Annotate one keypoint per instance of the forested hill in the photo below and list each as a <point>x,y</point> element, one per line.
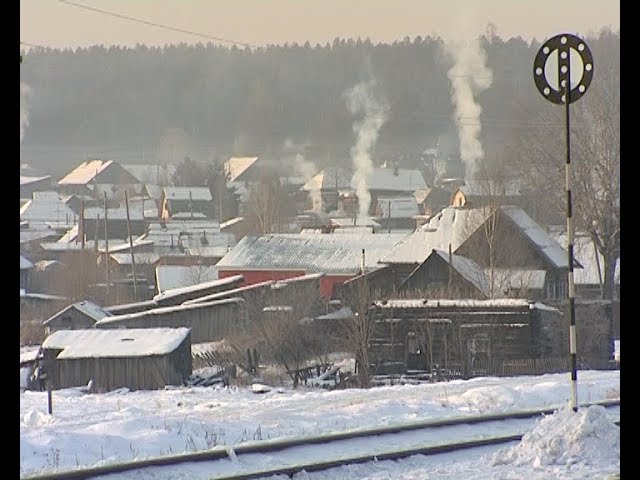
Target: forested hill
<point>205,99</point>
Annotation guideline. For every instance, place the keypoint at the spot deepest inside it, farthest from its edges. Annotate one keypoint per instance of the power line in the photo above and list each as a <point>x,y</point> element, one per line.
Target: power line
<point>153,24</point>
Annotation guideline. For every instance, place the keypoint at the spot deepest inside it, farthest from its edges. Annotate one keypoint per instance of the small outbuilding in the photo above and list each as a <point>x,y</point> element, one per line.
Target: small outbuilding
<point>138,359</point>
<point>76,316</point>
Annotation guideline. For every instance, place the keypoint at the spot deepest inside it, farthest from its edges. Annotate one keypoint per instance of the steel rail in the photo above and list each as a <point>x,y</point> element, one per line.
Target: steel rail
<point>267,446</point>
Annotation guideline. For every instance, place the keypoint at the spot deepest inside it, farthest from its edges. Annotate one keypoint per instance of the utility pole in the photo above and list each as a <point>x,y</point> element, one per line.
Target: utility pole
<point>133,261</point>
<point>81,233</point>
<point>106,247</point>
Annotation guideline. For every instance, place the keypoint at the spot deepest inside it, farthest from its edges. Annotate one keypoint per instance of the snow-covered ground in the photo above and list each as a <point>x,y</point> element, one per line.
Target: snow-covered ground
<point>94,429</point>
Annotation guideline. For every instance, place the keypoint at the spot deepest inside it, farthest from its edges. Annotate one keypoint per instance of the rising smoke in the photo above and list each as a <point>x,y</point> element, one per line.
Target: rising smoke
<point>25,95</point>
<point>302,166</point>
<point>360,99</point>
<point>469,76</point>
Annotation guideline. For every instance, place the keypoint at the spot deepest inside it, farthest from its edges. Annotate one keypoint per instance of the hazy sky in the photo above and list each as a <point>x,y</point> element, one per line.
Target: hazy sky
<point>56,23</point>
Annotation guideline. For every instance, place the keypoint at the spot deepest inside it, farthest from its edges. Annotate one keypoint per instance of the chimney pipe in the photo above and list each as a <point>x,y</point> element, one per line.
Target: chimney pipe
<point>362,263</point>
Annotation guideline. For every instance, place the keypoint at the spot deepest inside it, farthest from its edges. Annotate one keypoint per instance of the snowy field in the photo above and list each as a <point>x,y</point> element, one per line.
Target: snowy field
<point>96,429</point>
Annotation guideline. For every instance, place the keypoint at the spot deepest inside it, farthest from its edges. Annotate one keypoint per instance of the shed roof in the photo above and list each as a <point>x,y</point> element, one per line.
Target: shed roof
<point>47,207</point>
<point>470,270</point>
<point>399,180</point>
<point>99,343</point>
<point>489,188</point>
<point>202,286</point>
<point>329,253</point>
<point>26,180</point>
<point>140,258</point>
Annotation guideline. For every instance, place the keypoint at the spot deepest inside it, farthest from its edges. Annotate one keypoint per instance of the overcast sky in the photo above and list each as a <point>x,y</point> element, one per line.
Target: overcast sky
<point>58,24</point>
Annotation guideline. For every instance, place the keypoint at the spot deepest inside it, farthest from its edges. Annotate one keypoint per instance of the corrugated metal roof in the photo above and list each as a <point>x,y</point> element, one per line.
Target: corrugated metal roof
<point>150,173</point>
<point>135,213</point>
<point>329,253</point>
<point>179,276</point>
<point>85,172</point>
<point>47,207</point>
<point>401,207</point>
<point>236,166</point>
<point>186,193</point>
<point>133,342</point>
<point>433,303</point>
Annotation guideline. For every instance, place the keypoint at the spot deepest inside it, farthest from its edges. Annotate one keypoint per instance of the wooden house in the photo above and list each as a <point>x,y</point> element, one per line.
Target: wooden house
<point>137,359</point>
<point>208,321</point>
<point>323,189</point>
<point>396,213</point>
<point>96,178</point>
<point>186,202</point>
<point>467,337</point>
<point>77,316</point>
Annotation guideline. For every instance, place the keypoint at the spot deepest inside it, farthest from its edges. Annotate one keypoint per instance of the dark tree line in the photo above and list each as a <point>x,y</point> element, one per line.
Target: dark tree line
<point>241,100</point>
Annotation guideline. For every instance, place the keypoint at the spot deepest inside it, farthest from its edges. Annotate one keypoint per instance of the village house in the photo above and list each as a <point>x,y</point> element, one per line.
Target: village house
<point>461,338</point>
<point>25,268</point>
<point>46,210</point>
<point>324,188</point>
<point>95,178</point>
<point>137,359</point>
<point>281,256</point>
<point>29,185</point>
<point>186,202</point>
<point>396,213</point>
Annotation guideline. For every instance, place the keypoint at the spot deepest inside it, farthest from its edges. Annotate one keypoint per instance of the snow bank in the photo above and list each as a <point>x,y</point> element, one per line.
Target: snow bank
<point>586,437</point>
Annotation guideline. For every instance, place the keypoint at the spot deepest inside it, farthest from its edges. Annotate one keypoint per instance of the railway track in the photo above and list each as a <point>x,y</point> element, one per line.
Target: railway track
<point>338,449</point>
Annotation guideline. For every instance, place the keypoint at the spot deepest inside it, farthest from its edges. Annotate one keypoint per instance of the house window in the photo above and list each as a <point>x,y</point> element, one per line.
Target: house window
<point>478,348</point>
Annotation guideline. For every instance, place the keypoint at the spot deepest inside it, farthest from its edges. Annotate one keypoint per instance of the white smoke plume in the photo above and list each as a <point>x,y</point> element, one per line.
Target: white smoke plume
<point>469,76</point>
<point>360,99</point>
<point>25,95</point>
<point>302,166</point>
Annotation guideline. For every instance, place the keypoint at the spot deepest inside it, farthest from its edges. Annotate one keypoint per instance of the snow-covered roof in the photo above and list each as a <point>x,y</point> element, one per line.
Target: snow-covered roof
<point>469,269</point>
<point>25,263</point>
<point>399,180</point>
<point>236,166</point>
<point>231,222</point>
<point>544,242</point>
<point>30,235</point>
<point>90,309</point>
<point>29,354</point>
<point>215,297</point>
<point>360,222</point>
<point>47,207</point>
<point>401,207</point>
<point>450,226</point>
<point>585,253</point>
<point>462,303</point>
<point>73,246</point>
<point>179,276</point>
<point>188,215</point>
<point>175,292</point>
<point>99,343</point>
<point>188,193</point>
<point>40,296</point>
<point>338,254</point>
<point>85,172</point>
<point>26,180</point>
<point>71,235</point>
<point>345,313</point>
<point>140,258</point>
<point>126,247</point>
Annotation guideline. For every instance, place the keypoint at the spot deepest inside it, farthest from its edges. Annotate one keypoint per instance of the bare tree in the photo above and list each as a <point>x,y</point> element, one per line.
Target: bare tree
<point>595,158</point>
<point>267,205</point>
